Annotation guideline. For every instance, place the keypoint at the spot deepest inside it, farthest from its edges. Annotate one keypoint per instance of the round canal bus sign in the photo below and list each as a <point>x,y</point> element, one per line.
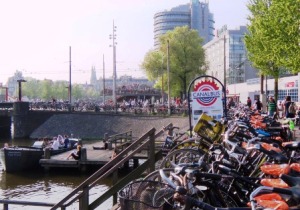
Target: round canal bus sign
<point>206,93</point>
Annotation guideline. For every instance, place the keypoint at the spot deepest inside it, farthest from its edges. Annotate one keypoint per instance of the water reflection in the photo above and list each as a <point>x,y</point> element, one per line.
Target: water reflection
<point>51,187</point>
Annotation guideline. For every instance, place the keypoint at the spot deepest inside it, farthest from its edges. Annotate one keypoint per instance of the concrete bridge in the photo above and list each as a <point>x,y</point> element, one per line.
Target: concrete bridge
<point>22,122</point>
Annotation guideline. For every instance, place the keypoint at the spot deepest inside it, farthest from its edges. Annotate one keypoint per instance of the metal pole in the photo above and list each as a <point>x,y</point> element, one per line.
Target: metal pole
<point>6,94</point>
<point>103,81</point>
<point>114,68</point>
<point>20,90</point>
<point>70,82</point>
<point>225,62</point>
<point>168,69</point>
<point>162,81</point>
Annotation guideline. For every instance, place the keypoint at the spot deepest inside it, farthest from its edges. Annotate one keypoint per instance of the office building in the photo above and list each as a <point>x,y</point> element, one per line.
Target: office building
<point>227,56</point>
<point>196,15</point>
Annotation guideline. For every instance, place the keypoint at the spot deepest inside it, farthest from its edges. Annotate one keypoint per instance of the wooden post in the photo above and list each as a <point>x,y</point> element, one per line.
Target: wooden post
<point>83,158</point>
<point>105,139</point>
<point>84,198</point>
<point>83,154</point>
<point>135,162</point>
<point>47,154</point>
<point>151,155</point>
<point>115,180</point>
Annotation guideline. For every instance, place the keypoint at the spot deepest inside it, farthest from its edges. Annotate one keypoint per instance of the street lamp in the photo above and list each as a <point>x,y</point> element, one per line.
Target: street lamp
<point>168,70</point>
<point>6,91</point>
<point>225,63</point>
<point>113,37</point>
<point>70,77</point>
<point>20,88</point>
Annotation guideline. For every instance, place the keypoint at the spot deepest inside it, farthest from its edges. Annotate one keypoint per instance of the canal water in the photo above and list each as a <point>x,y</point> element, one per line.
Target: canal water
<point>51,187</point>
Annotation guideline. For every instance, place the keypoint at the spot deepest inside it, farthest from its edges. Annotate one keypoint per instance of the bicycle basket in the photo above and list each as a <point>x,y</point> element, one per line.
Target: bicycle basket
<point>145,195</point>
<point>209,128</point>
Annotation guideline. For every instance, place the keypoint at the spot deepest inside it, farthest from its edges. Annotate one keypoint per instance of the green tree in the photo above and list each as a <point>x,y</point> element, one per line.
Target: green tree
<point>78,92</point>
<point>273,39</point>
<point>187,59</point>
<point>31,88</point>
<point>285,16</point>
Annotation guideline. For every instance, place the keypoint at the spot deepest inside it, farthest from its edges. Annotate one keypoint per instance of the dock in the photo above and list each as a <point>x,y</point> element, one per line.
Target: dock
<point>94,154</point>
<point>93,157</point>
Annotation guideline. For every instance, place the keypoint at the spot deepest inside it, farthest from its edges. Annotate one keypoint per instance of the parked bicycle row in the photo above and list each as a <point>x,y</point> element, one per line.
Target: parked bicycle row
<point>249,162</point>
<point>124,107</point>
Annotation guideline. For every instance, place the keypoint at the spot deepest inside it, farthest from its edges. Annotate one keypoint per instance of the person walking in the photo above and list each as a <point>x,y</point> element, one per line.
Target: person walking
<point>249,102</point>
<point>280,109</point>
<point>258,104</point>
<point>287,103</point>
<point>271,106</point>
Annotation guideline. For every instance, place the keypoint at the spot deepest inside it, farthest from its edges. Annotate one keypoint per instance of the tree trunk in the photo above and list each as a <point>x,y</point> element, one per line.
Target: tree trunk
<point>276,89</point>
<point>261,84</point>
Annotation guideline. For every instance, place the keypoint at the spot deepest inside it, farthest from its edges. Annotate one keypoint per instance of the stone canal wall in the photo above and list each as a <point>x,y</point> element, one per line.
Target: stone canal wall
<point>91,126</point>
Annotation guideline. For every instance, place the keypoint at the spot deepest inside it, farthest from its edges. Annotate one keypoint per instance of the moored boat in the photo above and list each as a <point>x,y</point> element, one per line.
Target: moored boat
<point>21,158</point>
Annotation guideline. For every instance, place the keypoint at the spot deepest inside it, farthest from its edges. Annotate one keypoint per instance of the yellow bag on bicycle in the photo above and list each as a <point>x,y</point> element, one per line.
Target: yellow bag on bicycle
<point>209,128</point>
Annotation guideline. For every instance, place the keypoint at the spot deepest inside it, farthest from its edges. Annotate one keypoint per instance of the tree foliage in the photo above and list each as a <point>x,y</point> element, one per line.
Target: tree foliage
<point>274,35</point>
<point>187,59</point>
<point>273,40</point>
<point>47,90</point>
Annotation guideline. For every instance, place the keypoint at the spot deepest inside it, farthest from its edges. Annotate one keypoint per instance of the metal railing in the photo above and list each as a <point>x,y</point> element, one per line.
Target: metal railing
<point>81,193</point>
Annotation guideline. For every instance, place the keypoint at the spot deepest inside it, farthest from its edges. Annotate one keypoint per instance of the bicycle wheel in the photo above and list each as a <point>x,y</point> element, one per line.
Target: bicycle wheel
<point>181,156</point>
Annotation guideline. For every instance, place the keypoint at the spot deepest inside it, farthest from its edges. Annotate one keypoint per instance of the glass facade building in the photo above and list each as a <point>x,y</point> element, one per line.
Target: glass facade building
<point>196,15</point>
<point>227,56</point>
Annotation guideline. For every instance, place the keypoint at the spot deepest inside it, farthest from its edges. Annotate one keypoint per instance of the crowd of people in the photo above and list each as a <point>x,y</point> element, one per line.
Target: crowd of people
<point>283,109</point>
<point>57,142</point>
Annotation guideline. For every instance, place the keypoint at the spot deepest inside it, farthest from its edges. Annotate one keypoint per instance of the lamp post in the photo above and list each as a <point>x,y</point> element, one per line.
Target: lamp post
<point>20,88</point>
<point>113,37</point>
<point>103,81</point>
<point>225,63</point>
<point>70,82</point>
<point>162,80</point>
<point>6,92</point>
<point>168,69</point>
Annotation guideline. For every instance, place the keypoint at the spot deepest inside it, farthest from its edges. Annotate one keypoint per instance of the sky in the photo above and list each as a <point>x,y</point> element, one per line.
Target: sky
<point>36,35</point>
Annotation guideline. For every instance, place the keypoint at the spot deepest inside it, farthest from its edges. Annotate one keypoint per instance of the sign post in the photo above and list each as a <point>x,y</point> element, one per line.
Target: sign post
<point>208,96</point>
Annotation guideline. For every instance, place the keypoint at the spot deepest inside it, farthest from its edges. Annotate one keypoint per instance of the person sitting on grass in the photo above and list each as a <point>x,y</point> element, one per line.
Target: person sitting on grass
<point>75,154</point>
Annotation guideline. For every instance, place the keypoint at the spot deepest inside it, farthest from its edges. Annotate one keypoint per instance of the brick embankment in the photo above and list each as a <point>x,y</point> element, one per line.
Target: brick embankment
<point>95,126</point>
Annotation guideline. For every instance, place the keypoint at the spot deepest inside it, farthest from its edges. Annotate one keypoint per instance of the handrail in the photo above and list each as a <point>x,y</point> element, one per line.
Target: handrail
<point>76,194</point>
<point>108,168</point>
<point>26,203</point>
<point>126,136</point>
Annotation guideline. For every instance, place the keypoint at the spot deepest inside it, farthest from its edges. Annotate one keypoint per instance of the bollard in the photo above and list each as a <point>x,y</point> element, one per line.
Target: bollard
<point>135,162</point>
<point>83,154</point>
<point>105,141</point>
<point>47,154</point>
<point>109,145</point>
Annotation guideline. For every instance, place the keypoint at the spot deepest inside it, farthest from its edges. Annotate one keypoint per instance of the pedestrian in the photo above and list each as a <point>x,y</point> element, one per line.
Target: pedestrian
<point>258,104</point>
<point>249,102</point>
<point>280,109</point>
<point>271,106</point>
<point>66,142</point>
<point>230,103</point>
<point>288,113</point>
